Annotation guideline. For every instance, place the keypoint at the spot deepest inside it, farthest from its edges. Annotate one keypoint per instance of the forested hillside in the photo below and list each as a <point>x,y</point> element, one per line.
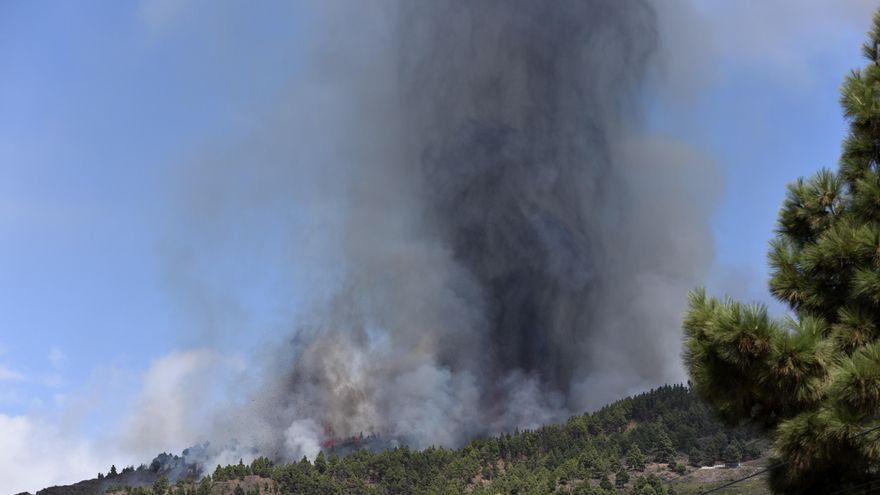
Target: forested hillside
<point>643,444</point>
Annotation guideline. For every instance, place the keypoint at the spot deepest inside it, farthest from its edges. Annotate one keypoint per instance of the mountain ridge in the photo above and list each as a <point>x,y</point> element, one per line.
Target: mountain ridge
<point>637,444</point>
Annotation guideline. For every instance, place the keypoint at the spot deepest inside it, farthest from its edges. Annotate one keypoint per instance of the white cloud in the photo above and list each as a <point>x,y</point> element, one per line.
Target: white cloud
<point>57,358</point>
<point>9,375</point>
<point>50,446</point>
<point>36,455</point>
<point>176,397</point>
<point>56,379</point>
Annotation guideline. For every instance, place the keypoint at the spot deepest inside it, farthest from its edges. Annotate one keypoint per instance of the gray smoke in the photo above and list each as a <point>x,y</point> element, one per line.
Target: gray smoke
<point>501,243</point>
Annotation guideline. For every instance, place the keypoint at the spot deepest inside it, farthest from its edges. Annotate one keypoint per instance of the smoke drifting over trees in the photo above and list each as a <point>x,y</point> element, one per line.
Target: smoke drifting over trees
<point>505,244</point>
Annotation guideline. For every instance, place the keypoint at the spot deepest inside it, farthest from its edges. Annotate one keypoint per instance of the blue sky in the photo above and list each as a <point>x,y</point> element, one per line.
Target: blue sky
<point>98,109</point>
<point>765,108</point>
<point>102,104</point>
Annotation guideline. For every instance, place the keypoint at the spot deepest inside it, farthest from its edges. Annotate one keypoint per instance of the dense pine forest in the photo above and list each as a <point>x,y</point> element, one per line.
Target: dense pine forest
<point>643,444</point>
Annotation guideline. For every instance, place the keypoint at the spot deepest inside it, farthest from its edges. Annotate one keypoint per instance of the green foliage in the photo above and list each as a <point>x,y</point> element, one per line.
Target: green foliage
<point>554,458</point>
<point>677,468</point>
<point>650,485</point>
<point>732,454</point>
<point>664,450</point>
<point>588,454</point>
<point>160,486</point>
<point>321,463</point>
<point>261,466</point>
<point>621,478</point>
<point>605,484</point>
<point>635,459</point>
<point>240,470</point>
<point>204,487</point>
<point>812,381</point>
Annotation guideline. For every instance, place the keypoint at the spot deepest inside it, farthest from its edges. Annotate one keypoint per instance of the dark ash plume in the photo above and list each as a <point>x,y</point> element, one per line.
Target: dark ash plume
<point>507,249</point>
<point>517,106</point>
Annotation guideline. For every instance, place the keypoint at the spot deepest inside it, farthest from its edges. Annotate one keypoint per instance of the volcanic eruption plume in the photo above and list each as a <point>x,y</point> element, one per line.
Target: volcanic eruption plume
<point>501,243</point>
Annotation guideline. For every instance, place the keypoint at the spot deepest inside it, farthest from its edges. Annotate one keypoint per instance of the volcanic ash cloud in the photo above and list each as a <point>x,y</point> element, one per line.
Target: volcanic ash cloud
<point>506,246</point>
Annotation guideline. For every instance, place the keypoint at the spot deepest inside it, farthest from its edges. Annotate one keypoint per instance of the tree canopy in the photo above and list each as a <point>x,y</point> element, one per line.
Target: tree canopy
<point>588,454</point>
<point>811,379</point>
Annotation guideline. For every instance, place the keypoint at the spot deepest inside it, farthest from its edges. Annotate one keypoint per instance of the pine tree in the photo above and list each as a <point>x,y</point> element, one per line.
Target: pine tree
<point>621,478</point>
<point>695,457</point>
<point>261,466</point>
<point>643,486</point>
<point>160,486</point>
<point>812,380</point>
<point>605,484</point>
<point>664,450</point>
<point>204,486</point>
<point>732,454</point>
<point>635,459</point>
<point>321,463</point>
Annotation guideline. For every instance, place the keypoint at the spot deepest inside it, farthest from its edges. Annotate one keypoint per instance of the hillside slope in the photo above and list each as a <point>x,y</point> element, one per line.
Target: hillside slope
<point>652,443</point>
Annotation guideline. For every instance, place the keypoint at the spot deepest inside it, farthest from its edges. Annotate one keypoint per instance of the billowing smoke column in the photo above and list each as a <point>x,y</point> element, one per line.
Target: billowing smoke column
<point>506,248</point>
<point>515,107</point>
